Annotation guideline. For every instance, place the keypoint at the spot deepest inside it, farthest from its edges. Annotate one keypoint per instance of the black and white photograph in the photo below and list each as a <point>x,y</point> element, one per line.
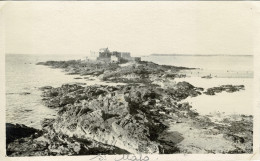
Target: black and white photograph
<point>129,79</point>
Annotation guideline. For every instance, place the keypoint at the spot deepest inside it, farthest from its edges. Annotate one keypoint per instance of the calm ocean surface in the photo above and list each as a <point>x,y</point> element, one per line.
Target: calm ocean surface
<point>22,75</point>
<point>220,66</point>
<point>243,63</point>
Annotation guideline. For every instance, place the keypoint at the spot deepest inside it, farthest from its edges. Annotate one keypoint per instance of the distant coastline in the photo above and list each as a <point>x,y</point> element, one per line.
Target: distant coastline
<point>196,55</point>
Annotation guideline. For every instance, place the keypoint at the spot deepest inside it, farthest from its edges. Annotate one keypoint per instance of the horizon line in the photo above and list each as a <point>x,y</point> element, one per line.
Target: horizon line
<point>155,54</point>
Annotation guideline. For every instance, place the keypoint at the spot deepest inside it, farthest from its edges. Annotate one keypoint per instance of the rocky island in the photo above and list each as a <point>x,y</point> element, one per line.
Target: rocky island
<point>143,115</point>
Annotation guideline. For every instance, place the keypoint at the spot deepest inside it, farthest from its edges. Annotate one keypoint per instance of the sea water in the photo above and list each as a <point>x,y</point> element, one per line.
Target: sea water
<point>240,102</point>
<point>224,70</point>
<point>24,78</point>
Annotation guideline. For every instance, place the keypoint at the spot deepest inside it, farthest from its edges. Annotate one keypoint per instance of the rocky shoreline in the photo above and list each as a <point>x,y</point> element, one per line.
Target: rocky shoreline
<point>142,116</point>
<point>137,72</point>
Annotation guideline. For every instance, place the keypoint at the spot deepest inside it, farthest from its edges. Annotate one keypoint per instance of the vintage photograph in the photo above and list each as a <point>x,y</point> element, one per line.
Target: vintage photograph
<point>110,78</point>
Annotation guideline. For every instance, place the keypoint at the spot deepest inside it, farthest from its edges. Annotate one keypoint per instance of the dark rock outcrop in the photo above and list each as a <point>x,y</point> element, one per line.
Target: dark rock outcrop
<point>226,88</point>
<point>129,117</point>
<point>48,142</point>
<point>138,72</point>
<point>17,131</point>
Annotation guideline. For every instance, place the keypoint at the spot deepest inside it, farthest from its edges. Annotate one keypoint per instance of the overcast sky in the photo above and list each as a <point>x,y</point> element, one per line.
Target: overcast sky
<point>141,28</point>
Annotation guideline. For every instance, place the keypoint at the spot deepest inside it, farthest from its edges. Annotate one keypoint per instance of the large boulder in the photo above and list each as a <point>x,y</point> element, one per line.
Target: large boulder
<point>17,131</point>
